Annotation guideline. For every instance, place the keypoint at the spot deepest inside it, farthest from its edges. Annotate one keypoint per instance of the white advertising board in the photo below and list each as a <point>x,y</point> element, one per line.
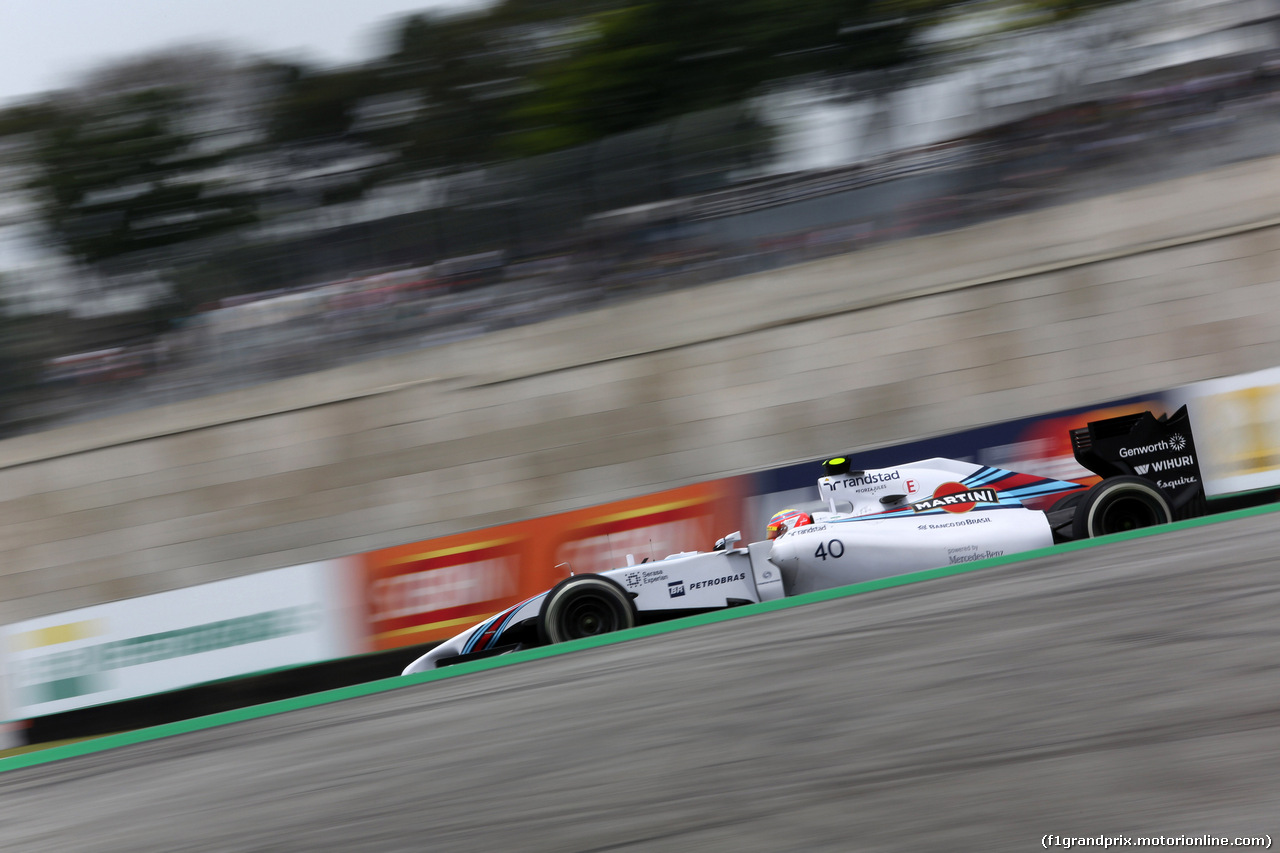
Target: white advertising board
<point>9,736</point>
<point>1236,421</point>
<point>137,647</point>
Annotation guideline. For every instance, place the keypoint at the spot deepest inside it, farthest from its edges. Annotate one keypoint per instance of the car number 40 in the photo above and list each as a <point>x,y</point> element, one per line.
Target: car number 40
<point>833,549</point>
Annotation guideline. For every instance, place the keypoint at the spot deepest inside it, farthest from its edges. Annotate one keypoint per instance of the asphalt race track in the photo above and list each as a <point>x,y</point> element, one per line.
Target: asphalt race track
<point>1130,689</point>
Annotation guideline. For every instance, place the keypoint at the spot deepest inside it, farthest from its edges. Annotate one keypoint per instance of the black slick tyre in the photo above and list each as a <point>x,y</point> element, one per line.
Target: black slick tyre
<point>1118,504</point>
<point>584,606</point>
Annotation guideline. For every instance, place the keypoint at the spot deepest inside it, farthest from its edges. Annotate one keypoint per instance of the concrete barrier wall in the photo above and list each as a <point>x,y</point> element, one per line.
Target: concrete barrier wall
<point>1113,297</point>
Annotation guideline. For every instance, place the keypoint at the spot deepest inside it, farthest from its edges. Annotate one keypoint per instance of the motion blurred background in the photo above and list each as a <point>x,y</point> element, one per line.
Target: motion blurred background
<point>195,218</point>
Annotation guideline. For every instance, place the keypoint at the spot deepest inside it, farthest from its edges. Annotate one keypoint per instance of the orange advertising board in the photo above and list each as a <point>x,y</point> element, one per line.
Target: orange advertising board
<point>428,591</point>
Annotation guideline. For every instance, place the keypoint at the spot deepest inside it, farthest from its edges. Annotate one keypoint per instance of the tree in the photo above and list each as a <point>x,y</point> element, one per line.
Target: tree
<point>315,105</point>
<point>129,173</point>
<point>645,62</point>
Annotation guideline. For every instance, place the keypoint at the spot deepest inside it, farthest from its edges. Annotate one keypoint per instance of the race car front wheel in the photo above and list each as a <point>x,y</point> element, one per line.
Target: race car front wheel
<point>584,606</point>
<point>1118,504</point>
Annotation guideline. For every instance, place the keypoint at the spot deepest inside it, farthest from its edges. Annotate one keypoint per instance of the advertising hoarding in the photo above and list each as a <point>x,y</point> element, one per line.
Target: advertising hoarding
<point>1237,425</point>
<point>169,640</point>
<point>428,591</point>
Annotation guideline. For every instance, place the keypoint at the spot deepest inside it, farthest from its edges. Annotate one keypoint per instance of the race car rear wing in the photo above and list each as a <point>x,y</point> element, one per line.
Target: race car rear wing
<point>1161,450</point>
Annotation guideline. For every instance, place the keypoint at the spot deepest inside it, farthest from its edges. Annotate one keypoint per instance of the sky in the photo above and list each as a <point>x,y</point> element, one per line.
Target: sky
<point>46,44</point>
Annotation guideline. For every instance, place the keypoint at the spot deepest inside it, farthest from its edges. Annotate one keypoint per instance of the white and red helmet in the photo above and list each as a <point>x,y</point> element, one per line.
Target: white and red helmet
<point>787,519</point>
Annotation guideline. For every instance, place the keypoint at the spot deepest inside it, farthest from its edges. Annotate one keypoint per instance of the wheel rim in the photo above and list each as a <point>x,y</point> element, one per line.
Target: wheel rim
<point>1130,512</point>
<point>589,615</point>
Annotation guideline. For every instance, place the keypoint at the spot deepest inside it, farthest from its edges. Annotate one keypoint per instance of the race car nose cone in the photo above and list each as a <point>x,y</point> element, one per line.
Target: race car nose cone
<point>785,554</point>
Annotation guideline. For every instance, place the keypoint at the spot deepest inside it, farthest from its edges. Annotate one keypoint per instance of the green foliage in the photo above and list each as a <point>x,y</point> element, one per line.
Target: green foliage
<point>459,73</point>
<point>439,97</point>
<point>528,77</point>
<point>125,172</point>
<point>25,118</point>
<point>123,176</point>
<point>1038,12</point>
<point>315,105</point>
<point>646,62</point>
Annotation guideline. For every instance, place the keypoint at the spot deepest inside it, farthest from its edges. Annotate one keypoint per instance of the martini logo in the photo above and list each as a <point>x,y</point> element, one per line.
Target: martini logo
<point>956,497</point>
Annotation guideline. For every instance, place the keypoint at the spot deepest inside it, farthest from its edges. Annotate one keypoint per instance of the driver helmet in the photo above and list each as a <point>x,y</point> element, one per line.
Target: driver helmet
<point>787,519</point>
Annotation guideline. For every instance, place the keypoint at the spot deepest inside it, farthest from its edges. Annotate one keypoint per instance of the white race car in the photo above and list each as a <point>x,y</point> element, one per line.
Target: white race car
<point>872,524</point>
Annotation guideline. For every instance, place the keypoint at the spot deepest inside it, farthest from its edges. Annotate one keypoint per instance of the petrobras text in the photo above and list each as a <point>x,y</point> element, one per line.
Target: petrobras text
<point>716,581</point>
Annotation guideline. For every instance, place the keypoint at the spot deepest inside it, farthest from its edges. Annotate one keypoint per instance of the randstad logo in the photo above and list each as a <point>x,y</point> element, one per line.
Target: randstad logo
<point>867,478</point>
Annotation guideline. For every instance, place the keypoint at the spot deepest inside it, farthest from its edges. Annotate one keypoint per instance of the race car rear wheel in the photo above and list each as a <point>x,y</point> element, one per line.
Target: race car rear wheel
<point>1118,504</point>
<point>584,606</point>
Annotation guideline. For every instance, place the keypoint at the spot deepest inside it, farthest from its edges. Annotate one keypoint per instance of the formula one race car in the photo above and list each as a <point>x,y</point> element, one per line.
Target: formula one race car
<point>872,524</point>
